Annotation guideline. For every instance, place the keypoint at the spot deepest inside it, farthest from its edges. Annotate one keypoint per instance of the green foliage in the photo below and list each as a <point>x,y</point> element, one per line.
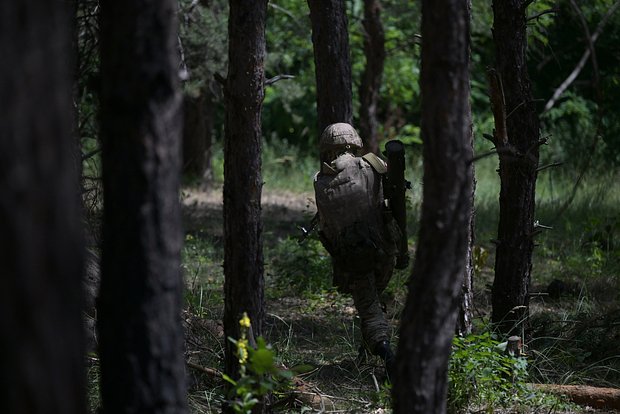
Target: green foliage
<point>201,265</point>
<point>289,109</point>
<point>286,167</point>
<point>299,268</point>
<point>571,123</point>
<point>481,375</point>
<point>258,374</point>
<point>203,36</point>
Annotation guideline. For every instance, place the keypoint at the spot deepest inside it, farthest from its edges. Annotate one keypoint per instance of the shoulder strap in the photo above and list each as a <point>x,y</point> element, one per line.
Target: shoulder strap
<point>377,163</point>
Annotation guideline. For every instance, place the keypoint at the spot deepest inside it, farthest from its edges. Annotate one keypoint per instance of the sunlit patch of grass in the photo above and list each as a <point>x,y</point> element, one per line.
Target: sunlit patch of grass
<point>285,168</point>
<point>298,269</point>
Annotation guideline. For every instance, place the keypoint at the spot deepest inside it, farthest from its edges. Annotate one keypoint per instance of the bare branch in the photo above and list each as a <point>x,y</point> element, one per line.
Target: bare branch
<point>489,137</point>
<point>219,78</point>
<point>573,75</point>
<point>481,156</point>
<point>542,13</point>
<point>91,154</point>
<point>277,78</point>
<point>498,105</point>
<point>521,104</point>
<point>590,44</point>
<point>552,165</point>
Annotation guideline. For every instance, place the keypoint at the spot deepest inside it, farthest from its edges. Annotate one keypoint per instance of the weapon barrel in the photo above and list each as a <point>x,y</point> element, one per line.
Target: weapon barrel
<point>395,189</point>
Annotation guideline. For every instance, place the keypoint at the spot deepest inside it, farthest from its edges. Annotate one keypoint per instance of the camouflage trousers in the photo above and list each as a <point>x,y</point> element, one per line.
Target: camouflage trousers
<point>366,285</point>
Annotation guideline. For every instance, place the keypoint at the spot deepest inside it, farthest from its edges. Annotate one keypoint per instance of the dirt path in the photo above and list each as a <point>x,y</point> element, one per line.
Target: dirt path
<point>282,211</point>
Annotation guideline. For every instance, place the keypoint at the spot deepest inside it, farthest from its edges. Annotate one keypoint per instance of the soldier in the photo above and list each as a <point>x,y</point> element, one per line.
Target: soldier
<point>358,230</point>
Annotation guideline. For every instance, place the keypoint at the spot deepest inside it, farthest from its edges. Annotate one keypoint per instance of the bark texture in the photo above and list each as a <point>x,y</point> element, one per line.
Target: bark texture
<point>243,252</point>
<point>518,160</point>
<point>197,136</point>
<point>464,322</point>
<point>332,61</point>
<point>139,307</point>
<point>374,50</point>
<point>428,320</point>
<point>41,250</point>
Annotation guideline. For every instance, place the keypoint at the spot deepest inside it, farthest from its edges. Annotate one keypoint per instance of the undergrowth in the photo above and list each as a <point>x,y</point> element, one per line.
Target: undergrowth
<point>573,335</point>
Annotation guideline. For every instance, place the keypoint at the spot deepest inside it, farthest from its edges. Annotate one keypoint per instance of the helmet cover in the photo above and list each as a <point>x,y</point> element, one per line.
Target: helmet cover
<point>340,135</point>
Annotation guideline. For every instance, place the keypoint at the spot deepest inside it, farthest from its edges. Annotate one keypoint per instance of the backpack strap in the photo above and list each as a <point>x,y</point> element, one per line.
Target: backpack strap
<point>376,163</point>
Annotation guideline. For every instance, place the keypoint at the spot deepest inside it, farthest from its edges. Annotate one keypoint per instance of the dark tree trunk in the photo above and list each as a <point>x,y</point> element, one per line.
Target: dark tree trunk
<point>518,155</point>
<point>374,50</point>
<point>243,252</point>
<point>464,322</point>
<point>139,307</point>
<point>332,61</point>
<point>198,115</point>
<point>41,249</point>
<point>429,317</point>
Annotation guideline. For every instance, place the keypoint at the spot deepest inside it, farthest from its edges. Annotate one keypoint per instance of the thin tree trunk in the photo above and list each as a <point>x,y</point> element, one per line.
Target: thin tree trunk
<point>374,50</point>
<point>518,155</point>
<point>244,93</point>
<point>41,248</point>
<point>195,135</point>
<point>139,307</point>
<point>464,323</point>
<point>330,37</point>
<point>429,317</point>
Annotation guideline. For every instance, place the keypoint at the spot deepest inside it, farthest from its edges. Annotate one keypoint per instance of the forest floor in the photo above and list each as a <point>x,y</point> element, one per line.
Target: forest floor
<point>307,323</point>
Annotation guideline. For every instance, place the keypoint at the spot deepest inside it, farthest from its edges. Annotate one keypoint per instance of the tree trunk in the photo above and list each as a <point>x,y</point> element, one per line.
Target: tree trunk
<point>41,248</point>
<point>330,37</point>
<point>518,160</point>
<point>429,317</point>
<point>194,133</point>
<point>139,307</point>
<point>374,50</point>
<point>464,322</point>
<point>198,115</point>
<point>244,93</point>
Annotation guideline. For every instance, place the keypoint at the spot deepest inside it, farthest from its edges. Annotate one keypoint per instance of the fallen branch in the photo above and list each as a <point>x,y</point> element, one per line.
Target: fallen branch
<point>595,397</point>
<point>209,371</point>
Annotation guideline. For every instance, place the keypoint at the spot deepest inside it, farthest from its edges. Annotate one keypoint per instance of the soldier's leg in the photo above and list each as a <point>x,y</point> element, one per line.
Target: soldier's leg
<point>366,299</point>
<point>383,268</point>
<point>374,324</point>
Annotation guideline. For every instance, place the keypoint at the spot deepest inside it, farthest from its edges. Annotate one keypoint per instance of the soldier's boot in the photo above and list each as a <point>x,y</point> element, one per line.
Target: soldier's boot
<point>384,351</point>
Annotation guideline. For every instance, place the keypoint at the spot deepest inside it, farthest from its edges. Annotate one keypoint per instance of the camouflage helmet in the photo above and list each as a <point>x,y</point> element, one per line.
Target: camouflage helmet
<point>340,135</point>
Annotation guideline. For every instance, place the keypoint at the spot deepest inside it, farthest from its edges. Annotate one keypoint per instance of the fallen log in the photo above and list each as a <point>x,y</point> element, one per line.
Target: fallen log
<point>595,397</point>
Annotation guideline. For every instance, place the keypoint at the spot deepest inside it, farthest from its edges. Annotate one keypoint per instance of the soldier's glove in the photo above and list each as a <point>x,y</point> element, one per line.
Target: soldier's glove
<point>402,261</point>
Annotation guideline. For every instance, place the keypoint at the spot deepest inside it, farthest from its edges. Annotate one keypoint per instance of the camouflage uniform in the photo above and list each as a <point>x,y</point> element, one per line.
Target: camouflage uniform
<point>355,228</point>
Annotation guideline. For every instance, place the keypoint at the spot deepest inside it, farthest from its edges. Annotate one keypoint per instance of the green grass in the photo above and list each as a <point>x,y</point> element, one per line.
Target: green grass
<point>573,338</point>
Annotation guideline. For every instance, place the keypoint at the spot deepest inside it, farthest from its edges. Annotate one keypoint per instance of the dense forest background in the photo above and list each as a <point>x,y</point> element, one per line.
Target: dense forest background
<point>307,359</point>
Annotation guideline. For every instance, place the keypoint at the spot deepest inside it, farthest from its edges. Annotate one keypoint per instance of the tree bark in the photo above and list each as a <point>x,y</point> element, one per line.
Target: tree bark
<point>41,248</point>
<point>197,136</point>
<point>141,337</point>
<point>430,313</point>
<point>518,160</point>
<point>464,322</point>
<point>374,50</point>
<point>243,252</point>
<point>332,61</point>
